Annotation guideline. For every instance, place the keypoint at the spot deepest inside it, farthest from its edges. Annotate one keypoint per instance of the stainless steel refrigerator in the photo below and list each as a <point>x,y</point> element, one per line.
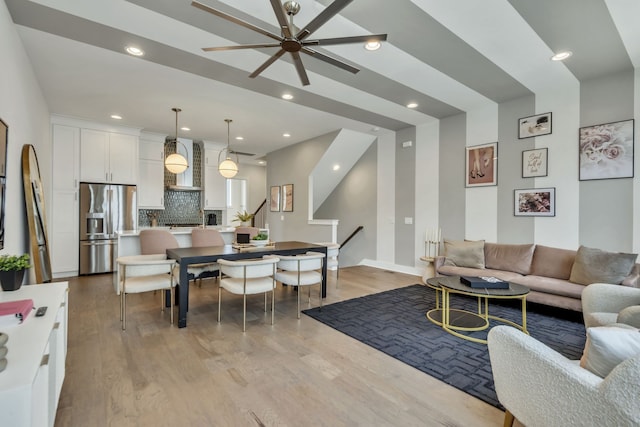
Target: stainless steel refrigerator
<point>104,210</point>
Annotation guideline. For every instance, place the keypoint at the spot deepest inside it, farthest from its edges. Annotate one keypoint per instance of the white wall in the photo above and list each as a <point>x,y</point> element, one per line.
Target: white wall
<point>24,110</point>
<point>385,241</point>
<point>427,184</point>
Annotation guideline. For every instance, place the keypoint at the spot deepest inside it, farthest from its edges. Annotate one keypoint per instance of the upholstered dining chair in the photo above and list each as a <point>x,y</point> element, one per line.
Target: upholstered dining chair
<point>251,231</point>
<point>248,277</point>
<point>203,237</point>
<point>301,270</point>
<point>333,252</point>
<point>144,273</point>
<point>604,304</point>
<point>157,241</point>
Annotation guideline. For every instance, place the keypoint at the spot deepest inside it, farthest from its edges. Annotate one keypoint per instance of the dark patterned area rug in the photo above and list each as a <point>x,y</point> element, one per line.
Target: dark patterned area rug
<point>394,322</point>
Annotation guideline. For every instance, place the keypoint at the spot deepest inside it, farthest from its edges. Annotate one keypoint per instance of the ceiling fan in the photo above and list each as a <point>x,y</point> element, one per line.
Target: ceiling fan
<point>293,40</point>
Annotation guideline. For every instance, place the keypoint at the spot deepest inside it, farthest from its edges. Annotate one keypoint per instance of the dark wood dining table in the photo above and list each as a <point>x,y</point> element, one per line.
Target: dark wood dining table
<point>203,255</point>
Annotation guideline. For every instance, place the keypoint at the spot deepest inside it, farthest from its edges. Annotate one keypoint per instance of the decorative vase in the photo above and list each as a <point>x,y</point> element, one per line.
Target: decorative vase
<point>11,280</point>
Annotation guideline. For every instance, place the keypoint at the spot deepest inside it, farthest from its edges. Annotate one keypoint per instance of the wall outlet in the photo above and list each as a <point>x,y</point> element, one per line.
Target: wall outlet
<point>408,220</point>
<point>281,217</point>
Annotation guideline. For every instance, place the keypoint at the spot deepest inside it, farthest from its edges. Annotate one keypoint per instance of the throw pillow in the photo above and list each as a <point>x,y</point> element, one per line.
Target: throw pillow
<point>464,253</point>
<point>607,346</point>
<point>598,266</point>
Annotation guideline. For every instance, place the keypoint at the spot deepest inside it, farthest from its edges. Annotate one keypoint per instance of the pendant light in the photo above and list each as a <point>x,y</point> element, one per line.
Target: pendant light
<point>176,162</point>
<point>227,168</point>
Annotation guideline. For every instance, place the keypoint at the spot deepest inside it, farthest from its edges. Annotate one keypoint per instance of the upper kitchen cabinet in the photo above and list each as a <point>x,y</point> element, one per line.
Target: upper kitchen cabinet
<point>151,171</point>
<point>215,185</point>
<point>108,157</point>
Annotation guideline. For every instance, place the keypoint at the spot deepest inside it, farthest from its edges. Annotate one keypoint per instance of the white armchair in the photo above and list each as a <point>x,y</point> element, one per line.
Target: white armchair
<point>540,387</point>
<point>604,304</point>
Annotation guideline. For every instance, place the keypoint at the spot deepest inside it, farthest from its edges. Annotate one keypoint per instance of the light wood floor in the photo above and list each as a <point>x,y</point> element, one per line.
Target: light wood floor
<point>295,373</point>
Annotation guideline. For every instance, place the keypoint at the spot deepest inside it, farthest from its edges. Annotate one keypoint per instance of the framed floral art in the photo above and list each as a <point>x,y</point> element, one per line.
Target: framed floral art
<point>535,202</point>
<point>606,151</point>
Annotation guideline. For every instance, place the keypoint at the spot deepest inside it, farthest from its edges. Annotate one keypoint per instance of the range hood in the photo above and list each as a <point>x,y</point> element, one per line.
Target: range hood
<point>184,180</point>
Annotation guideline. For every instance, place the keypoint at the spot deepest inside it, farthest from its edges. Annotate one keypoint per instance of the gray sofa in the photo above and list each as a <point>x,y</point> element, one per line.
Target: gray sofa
<point>556,277</point>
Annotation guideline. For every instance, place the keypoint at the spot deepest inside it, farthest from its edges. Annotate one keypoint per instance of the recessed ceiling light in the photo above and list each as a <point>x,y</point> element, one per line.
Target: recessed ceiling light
<point>185,129</point>
<point>262,162</point>
<point>372,45</point>
<point>240,138</point>
<point>336,167</point>
<point>135,51</point>
<point>375,129</point>
<point>116,117</point>
<point>287,96</point>
<point>412,105</point>
<point>561,56</point>
<point>286,135</point>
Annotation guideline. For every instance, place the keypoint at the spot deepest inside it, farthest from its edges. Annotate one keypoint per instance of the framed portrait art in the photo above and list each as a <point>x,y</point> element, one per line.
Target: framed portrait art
<point>287,198</point>
<point>535,163</point>
<point>481,166</point>
<point>534,126</point>
<point>606,151</point>
<point>274,201</point>
<point>535,202</point>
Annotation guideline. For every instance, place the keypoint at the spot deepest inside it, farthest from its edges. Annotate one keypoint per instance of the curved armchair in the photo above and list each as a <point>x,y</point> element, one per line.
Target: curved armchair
<point>156,242</point>
<point>144,273</point>
<point>604,304</point>
<point>203,237</point>
<point>301,270</point>
<point>540,387</point>
<point>247,277</point>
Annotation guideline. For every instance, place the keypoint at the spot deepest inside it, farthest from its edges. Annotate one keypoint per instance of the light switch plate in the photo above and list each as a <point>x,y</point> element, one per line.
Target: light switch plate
<point>408,220</point>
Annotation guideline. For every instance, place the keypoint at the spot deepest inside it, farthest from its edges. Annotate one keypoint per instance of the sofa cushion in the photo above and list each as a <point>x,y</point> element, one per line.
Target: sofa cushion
<point>552,262</point>
<point>598,266</point>
<point>464,253</point>
<point>451,270</point>
<point>608,346</point>
<point>551,286</point>
<point>516,258</point>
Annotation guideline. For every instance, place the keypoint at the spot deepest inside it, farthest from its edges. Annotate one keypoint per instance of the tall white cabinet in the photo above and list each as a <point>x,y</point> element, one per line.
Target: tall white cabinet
<point>215,185</point>
<point>151,171</point>
<point>83,152</point>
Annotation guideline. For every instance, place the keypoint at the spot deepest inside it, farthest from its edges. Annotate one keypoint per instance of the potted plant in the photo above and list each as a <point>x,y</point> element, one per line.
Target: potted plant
<point>12,268</point>
<point>244,218</point>
<point>260,239</point>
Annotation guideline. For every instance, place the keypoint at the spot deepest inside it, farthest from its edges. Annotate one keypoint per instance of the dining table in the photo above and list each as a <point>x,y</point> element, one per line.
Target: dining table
<point>209,254</point>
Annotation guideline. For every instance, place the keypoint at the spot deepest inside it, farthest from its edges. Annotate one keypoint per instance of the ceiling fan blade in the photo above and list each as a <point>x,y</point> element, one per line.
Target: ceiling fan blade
<point>346,40</point>
<point>282,17</point>
<point>235,20</point>
<point>268,62</point>
<point>297,61</point>
<point>242,46</point>
<point>330,60</point>
<point>323,17</point>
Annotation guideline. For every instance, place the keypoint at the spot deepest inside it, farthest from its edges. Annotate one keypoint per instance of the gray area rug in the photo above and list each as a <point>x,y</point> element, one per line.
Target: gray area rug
<point>394,322</point>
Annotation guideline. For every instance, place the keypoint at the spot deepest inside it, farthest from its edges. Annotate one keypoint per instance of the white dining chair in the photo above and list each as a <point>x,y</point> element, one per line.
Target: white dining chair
<point>248,277</point>
<point>301,270</point>
<point>144,273</point>
<point>204,237</point>
<point>333,252</point>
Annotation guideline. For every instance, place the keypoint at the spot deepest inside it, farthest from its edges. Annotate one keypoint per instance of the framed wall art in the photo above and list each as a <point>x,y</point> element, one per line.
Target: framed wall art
<point>287,198</point>
<point>481,165</point>
<point>535,202</point>
<point>606,151</point>
<point>534,126</point>
<point>535,163</point>
<point>274,201</point>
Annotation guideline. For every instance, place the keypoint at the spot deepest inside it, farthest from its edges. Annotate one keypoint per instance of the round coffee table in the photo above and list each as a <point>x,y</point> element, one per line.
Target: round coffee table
<point>456,321</point>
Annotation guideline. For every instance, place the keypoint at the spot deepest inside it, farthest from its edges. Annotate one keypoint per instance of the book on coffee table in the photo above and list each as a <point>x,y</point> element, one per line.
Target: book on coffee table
<point>484,282</point>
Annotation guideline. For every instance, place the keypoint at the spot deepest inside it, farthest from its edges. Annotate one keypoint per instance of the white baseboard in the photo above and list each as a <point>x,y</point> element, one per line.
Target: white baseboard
<point>416,271</point>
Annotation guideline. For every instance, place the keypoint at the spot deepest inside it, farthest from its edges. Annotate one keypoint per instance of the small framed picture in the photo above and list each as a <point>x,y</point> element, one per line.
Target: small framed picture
<point>606,151</point>
<point>287,198</point>
<point>534,163</point>
<point>482,165</point>
<point>534,126</point>
<point>274,202</point>
<point>535,202</point>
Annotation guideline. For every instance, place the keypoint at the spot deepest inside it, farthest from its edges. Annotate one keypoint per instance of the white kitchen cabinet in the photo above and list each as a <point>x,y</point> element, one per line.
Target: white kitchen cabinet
<point>65,202</point>
<point>151,172</point>
<point>108,157</point>
<point>37,348</point>
<point>215,185</point>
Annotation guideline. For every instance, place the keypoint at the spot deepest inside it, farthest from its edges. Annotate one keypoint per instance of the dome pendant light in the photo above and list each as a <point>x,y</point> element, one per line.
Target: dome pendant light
<point>176,162</point>
<point>227,168</point>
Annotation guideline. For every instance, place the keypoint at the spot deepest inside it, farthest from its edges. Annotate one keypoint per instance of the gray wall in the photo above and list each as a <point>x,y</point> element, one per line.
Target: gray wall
<point>405,196</point>
<point>453,134</point>
<point>353,202</point>
<point>512,229</point>
<point>606,206</point>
